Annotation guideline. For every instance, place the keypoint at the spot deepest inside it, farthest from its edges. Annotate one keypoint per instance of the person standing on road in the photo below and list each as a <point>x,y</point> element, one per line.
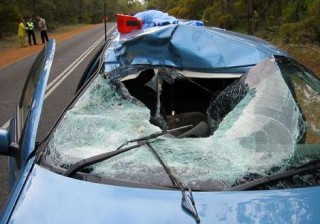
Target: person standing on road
<point>43,29</point>
<point>30,32</point>
<point>22,31</point>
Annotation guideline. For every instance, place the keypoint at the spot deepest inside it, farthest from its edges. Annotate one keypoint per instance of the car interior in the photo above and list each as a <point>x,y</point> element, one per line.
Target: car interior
<point>183,100</point>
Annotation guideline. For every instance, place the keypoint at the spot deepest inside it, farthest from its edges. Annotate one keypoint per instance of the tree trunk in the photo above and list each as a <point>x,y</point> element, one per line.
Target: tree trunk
<point>230,6</point>
<point>249,16</point>
<point>222,7</point>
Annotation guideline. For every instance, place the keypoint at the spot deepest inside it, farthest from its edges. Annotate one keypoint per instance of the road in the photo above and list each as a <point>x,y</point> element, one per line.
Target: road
<point>71,58</point>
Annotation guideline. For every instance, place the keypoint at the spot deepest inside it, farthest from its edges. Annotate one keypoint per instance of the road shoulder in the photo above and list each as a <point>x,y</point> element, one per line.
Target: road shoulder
<point>12,55</point>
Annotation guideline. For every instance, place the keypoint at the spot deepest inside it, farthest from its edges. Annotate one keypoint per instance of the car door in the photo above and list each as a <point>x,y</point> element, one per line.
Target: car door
<point>18,140</point>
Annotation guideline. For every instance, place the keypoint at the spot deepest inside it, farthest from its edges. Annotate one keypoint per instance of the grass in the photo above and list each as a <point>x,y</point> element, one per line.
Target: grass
<point>308,52</point>
<point>13,41</point>
<point>9,42</point>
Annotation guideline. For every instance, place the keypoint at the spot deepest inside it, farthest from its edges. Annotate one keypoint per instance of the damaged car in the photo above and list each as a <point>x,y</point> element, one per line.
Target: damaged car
<point>172,123</point>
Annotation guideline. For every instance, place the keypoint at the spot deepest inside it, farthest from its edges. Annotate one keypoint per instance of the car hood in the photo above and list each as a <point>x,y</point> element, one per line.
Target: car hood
<point>51,198</point>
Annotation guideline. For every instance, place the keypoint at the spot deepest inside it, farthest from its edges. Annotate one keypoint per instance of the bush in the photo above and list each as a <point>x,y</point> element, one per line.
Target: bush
<point>305,31</point>
<point>226,21</point>
<point>7,25</point>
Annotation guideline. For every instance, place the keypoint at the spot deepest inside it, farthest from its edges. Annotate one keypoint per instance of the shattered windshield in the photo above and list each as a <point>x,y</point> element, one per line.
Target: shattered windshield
<point>243,127</point>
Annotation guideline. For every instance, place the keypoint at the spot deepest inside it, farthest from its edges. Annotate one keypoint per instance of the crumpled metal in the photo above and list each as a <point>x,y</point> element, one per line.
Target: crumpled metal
<point>188,47</point>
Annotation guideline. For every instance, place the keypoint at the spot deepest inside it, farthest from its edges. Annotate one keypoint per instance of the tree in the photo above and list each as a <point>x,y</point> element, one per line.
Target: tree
<point>9,19</point>
<point>250,16</point>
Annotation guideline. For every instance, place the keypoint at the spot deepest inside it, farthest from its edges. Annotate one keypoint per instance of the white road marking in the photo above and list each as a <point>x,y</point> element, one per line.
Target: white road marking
<point>60,78</point>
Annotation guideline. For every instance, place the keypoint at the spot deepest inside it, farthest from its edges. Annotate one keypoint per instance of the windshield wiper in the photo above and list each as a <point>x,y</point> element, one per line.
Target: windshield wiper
<point>104,156</point>
<point>187,202</point>
<point>305,168</point>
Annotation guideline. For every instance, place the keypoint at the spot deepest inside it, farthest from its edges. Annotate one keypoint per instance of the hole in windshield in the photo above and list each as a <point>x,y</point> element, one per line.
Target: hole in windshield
<point>175,100</point>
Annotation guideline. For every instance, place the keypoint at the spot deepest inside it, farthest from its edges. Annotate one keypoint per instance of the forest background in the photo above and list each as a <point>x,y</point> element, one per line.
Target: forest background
<point>293,25</point>
<point>291,21</point>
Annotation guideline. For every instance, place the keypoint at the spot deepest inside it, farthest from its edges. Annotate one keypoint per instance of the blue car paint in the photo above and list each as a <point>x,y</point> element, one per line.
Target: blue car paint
<point>185,46</point>
<point>16,190</point>
<point>51,198</point>
<point>4,141</point>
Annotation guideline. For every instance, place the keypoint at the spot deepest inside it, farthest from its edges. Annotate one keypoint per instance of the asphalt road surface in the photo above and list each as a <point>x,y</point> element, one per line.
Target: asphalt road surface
<point>70,60</point>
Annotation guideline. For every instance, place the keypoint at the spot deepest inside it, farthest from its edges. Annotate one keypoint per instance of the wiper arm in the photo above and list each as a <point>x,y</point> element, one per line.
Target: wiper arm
<point>104,156</point>
<point>310,166</point>
<point>187,202</point>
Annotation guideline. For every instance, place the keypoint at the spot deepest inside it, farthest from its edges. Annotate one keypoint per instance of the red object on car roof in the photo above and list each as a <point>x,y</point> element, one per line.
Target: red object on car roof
<point>126,24</point>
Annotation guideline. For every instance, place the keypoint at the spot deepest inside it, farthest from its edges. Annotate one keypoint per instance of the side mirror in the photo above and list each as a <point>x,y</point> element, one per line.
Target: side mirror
<point>4,142</point>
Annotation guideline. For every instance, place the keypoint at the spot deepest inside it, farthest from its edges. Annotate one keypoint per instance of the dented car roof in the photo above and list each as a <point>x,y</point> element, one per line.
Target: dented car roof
<point>188,47</point>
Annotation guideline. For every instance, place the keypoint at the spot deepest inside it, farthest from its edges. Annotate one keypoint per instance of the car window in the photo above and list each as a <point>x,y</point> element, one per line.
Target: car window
<point>305,87</point>
<point>253,125</point>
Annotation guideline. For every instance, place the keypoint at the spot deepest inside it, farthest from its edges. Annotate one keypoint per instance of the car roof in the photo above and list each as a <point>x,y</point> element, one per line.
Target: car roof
<point>189,47</point>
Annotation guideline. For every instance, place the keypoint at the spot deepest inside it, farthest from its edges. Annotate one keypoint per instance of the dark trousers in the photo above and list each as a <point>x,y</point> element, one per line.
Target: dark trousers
<point>31,34</point>
<point>44,36</point>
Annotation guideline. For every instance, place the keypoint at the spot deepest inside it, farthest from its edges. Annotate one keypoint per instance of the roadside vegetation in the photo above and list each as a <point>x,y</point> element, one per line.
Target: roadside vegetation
<point>291,21</point>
